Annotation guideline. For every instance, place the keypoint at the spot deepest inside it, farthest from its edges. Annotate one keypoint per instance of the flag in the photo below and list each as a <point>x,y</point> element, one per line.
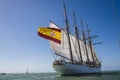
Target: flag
<point>53,34</point>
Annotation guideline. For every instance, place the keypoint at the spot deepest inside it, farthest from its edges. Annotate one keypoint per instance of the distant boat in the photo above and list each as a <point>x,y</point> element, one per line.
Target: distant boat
<point>27,72</point>
<point>3,73</point>
<point>77,56</point>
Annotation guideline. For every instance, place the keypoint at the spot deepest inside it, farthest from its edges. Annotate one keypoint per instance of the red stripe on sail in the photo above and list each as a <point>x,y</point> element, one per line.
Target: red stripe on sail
<point>49,38</point>
<point>59,30</point>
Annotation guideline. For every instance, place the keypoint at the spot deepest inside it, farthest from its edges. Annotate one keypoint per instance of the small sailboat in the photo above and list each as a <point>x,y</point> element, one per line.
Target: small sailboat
<point>77,56</point>
<point>27,72</point>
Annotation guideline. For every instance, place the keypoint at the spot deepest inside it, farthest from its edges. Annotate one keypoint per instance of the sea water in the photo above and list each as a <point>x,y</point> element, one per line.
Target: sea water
<point>109,75</point>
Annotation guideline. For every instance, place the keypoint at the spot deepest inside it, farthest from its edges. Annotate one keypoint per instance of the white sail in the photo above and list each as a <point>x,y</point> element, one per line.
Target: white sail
<point>63,48</point>
<point>59,49</point>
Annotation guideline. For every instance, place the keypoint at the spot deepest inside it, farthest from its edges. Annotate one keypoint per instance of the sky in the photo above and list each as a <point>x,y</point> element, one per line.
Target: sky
<point>22,48</point>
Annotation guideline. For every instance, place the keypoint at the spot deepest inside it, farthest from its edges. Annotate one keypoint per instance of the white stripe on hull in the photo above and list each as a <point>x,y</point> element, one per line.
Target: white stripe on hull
<point>70,69</point>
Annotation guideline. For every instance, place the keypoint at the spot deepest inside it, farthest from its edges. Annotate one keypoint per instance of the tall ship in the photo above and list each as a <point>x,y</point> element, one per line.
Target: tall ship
<point>75,55</point>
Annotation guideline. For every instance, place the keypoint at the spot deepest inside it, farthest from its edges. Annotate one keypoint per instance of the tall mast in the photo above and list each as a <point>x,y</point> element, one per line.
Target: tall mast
<point>67,29</point>
<point>83,34</point>
<point>77,37</point>
<point>90,43</point>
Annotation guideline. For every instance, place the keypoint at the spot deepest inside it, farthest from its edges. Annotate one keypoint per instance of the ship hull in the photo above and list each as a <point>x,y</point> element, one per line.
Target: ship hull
<point>75,69</point>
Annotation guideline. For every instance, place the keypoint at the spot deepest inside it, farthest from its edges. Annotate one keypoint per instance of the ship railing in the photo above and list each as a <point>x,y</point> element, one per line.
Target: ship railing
<point>59,62</point>
<point>90,64</point>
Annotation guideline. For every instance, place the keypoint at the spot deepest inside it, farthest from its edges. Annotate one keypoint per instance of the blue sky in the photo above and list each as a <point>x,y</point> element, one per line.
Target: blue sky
<point>21,47</point>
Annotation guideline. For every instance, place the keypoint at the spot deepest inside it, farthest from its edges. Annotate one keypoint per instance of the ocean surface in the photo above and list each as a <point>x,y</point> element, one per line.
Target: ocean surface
<point>108,75</point>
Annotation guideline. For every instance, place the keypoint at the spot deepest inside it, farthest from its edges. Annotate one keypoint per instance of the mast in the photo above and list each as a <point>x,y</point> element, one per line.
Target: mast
<point>84,40</point>
<point>67,29</point>
<point>77,37</point>
<point>90,43</point>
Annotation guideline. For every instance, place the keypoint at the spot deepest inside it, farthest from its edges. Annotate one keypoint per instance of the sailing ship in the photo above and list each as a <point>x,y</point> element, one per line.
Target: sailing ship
<point>76,55</point>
